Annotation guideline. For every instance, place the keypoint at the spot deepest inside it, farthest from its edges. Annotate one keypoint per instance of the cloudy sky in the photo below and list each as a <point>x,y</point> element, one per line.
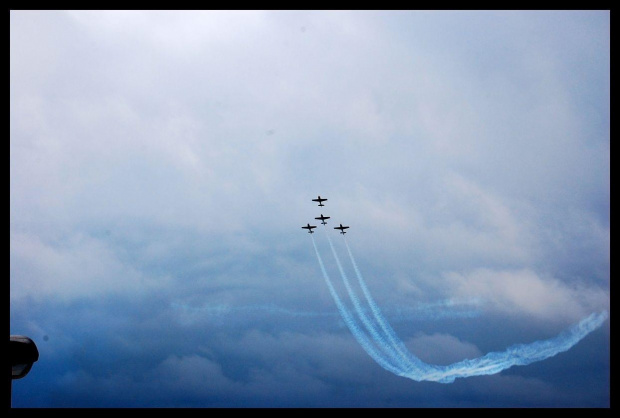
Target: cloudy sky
<point>162,164</point>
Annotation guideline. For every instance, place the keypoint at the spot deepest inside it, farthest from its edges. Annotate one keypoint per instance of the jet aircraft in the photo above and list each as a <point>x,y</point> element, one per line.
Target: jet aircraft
<point>322,218</point>
<point>341,228</point>
<point>309,228</point>
<point>320,200</point>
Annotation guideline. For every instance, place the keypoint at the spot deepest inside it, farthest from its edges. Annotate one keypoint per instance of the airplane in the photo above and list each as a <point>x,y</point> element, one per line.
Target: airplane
<point>320,200</point>
<point>309,228</point>
<point>322,218</point>
<point>341,228</point>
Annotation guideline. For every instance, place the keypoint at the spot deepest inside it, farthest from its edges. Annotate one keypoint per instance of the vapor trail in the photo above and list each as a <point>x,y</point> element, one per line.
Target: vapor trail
<point>359,335</point>
<point>389,349</point>
<point>411,362</point>
<point>516,355</point>
<point>410,366</point>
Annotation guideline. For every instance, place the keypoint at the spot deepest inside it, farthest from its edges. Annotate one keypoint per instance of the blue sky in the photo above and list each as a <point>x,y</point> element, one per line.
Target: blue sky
<point>162,164</point>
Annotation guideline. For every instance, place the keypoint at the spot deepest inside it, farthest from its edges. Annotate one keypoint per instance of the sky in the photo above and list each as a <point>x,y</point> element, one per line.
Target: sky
<point>163,162</point>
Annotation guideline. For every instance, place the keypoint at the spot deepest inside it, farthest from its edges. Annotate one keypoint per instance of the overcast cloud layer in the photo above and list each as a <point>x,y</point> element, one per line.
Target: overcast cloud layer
<point>162,163</point>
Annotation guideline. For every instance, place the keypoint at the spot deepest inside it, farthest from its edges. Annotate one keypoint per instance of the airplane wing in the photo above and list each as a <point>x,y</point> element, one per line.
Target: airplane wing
<point>309,228</point>
<point>320,200</point>
<point>322,218</point>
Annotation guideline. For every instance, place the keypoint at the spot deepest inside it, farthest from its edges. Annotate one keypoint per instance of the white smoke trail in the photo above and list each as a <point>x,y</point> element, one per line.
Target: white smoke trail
<point>350,321</point>
<point>409,361</point>
<point>387,348</point>
<point>410,366</point>
<point>220,310</point>
<point>439,309</point>
<point>516,355</point>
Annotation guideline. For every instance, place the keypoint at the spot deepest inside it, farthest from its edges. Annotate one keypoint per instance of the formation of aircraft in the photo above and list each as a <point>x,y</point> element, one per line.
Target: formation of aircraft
<point>322,218</point>
<point>309,228</point>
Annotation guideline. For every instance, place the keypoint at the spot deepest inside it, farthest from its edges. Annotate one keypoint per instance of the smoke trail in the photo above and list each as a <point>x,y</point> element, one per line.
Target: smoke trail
<point>411,362</point>
<point>494,362</point>
<point>350,321</point>
<point>222,310</point>
<point>387,348</point>
<point>516,355</point>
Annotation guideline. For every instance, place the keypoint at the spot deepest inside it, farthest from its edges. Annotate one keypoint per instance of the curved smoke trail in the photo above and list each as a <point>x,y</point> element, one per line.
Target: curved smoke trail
<point>380,341</point>
<point>350,321</point>
<point>516,355</point>
<point>411,362</point>
<point>410,366</point>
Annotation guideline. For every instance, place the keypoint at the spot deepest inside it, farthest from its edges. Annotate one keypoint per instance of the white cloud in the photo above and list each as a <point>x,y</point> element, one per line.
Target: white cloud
<point>77,267</point>
<point>525,292</point>
<point>172,31</point>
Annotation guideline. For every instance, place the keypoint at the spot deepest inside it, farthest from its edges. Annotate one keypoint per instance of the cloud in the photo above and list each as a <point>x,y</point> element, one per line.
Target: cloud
<point>442,348</point>
<point>525,292</point>
<point>191,376</point>
<point>162,163</point>
<point>74,268</point>
<point>252,369</point>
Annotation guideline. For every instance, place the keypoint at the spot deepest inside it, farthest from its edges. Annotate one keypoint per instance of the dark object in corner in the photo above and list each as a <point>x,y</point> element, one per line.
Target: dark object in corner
<point>23,353</point>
